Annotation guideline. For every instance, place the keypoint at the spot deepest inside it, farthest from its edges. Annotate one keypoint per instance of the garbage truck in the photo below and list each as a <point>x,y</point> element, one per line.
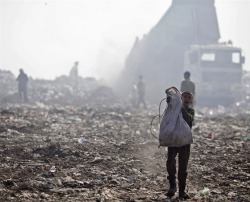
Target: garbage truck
<point>217,71</point>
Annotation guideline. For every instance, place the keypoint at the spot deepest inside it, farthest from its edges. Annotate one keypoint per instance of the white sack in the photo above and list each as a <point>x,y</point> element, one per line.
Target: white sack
<point>174,130</point>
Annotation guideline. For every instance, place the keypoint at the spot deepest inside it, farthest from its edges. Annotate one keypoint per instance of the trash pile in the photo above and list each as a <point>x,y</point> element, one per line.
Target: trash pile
<point>107,153</point>
<point>8,84</point>
<point>57,92</point>
<point>87,145</point>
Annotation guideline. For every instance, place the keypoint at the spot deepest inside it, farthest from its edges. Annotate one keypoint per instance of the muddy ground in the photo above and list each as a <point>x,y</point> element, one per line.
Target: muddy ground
<point>52,153</point>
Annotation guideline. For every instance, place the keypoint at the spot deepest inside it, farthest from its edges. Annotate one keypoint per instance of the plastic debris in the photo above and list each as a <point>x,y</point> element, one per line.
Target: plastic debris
<point>205,192</point>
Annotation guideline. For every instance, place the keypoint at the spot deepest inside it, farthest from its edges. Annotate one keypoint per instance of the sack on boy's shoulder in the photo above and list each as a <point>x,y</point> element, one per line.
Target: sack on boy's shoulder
<point>174,130</point>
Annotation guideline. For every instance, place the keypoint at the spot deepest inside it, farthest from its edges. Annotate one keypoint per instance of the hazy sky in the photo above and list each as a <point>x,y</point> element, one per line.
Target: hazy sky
<point>46,37</point>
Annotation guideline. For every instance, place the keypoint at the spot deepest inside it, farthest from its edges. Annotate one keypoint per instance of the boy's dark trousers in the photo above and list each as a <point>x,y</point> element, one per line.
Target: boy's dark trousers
<point>183,157</point>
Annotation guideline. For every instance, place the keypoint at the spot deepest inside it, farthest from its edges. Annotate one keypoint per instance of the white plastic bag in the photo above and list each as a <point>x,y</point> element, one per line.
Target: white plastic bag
<point>174,130</point>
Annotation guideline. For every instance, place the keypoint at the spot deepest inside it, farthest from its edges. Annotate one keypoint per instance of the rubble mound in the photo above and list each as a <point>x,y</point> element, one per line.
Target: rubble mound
<point>107,153</point>
<point>60,91</point>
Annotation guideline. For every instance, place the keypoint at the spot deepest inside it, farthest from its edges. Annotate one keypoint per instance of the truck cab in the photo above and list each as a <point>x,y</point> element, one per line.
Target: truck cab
<point>217,72</point>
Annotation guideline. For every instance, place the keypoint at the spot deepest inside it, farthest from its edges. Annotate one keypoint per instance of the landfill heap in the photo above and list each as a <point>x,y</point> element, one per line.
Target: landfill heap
<point>58,91</point>
<point>107,153</point>
<point>90,146</point>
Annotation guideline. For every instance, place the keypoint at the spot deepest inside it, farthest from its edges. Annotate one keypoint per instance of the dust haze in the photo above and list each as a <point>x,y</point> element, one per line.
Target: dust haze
<point>46,37</point>
<point>83,94</point>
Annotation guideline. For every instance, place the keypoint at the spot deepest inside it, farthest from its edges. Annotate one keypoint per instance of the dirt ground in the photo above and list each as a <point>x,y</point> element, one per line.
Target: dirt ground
<point>105,153</point>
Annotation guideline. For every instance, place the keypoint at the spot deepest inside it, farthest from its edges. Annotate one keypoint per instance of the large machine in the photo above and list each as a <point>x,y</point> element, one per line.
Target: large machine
<point>160,56</point>
<point>217,71</point>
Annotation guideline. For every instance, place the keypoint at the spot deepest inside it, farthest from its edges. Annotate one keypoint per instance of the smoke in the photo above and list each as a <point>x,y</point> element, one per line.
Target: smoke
<point>46,38</point>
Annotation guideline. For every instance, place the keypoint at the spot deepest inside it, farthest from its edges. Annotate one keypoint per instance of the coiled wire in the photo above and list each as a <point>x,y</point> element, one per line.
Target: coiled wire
<point>159,115</point>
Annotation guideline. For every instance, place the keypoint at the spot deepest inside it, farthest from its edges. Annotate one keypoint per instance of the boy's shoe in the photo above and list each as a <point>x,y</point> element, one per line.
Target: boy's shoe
<point>171,192</point>
<point>183,195</point>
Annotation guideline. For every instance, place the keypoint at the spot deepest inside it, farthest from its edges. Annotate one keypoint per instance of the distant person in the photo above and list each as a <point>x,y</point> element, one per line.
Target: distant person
<point>73,75</point>
<point>133,95</point>
<point>22,85</point>
<point>141,92</point>
<point>187,85</point>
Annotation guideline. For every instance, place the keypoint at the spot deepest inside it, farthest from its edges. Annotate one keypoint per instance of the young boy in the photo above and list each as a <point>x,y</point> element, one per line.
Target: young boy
<point>184,152</point>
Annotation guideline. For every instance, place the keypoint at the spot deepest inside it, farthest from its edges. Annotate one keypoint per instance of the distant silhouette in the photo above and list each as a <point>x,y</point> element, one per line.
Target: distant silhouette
<point>73,75</point>
<point>187,85</point>
<point>133,96</point>
<point>141,92</point>
<point>22,85</point>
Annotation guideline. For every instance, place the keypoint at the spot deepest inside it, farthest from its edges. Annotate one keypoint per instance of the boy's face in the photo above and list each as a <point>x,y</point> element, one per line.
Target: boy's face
<point>187,99</point>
